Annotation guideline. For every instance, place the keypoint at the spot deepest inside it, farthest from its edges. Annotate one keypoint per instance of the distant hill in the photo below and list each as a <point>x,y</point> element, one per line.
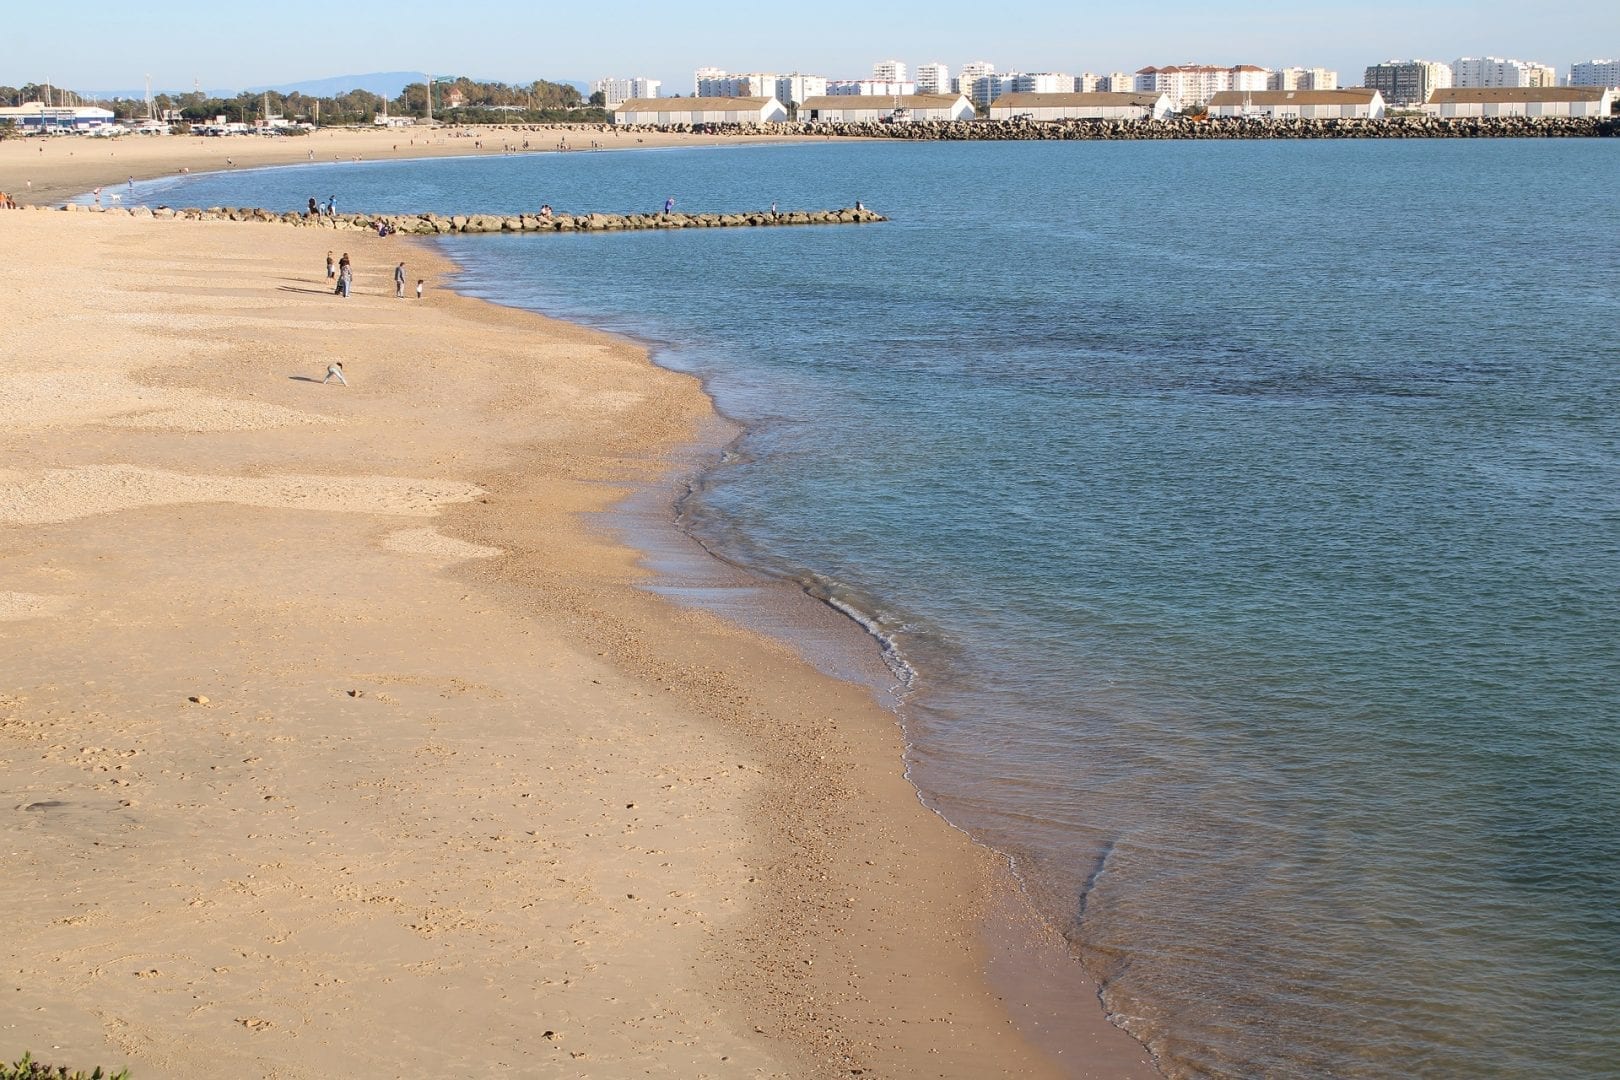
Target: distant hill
<point>388,84</point>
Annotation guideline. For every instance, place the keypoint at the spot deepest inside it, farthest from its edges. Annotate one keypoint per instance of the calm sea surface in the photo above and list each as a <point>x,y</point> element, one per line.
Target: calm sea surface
<point>1249,514</point>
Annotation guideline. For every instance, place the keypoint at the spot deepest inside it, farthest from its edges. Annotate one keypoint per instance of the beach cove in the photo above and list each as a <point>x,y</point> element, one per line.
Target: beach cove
<point>338,737</point>
<point>43,172</point>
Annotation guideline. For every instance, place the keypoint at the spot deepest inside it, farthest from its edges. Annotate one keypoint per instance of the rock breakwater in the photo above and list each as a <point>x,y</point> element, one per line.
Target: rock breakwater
<point>442,224</point>
<point>1414,127</point>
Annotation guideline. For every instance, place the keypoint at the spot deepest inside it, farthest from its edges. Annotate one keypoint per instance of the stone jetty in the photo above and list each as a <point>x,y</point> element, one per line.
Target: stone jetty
<point>1401,127</point>
<point>443,224</point>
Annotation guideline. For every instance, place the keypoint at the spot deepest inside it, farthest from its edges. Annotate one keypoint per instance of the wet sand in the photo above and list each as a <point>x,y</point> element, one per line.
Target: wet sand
<point>337,737</point>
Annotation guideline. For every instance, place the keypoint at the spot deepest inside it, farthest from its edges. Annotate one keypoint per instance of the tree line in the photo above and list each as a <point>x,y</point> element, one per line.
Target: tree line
<point>459,99</point>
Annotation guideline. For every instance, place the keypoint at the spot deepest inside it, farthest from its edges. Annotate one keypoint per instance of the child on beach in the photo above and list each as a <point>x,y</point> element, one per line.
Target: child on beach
<point>331,265</point>
<point>334,370</point>
<point>419,288</point>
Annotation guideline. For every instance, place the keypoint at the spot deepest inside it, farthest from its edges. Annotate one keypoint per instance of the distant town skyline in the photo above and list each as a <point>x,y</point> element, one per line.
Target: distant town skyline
<point>103,46</point>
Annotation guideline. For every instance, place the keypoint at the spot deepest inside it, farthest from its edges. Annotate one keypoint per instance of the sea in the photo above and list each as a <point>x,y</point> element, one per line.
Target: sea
<point>1241,521</point>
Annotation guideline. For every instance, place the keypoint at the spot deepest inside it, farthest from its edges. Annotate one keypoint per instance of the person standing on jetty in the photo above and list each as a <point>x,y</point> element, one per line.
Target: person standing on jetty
<point>331,206</point>
<point>669,205</point>
<point>314,208</point>
<point>399,281</point>
<point>334,370</point>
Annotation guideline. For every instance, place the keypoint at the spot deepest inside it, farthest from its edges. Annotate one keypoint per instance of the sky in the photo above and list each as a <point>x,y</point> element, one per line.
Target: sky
<point>98,45</point>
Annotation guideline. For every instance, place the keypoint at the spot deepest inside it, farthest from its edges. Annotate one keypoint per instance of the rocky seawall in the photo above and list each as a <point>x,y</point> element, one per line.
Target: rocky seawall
<point>441,224</point>
<point>1010,130</point>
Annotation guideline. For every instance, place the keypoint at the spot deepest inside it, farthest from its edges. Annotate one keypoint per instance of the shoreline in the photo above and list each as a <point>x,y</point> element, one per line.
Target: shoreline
<point>588,605</point>
<point>1033,969</point>
<point>49,171</point>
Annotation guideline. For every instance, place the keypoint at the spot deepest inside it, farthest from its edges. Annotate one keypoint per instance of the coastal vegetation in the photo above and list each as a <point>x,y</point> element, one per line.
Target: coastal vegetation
<point>26,1068</point>
<point>459,99</point>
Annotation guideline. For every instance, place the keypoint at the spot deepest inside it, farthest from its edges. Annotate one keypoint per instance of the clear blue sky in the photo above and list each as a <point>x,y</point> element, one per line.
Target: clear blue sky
<point>100,45</point>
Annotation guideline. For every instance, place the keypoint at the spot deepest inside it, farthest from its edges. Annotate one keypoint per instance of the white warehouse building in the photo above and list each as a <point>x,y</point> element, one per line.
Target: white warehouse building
<point>667,112</point>
<point>1532,101</point>
<point>1093,106</point>
<point>861,109</point>
<point>37,116</point>
<point>1356,104</point>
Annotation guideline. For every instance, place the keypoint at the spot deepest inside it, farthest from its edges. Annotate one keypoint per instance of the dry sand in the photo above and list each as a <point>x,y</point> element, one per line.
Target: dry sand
<point>47,171</point>
<point>335,741</point>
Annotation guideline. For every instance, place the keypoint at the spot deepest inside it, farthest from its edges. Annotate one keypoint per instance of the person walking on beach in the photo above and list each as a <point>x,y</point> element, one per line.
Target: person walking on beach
<point>399,281</point>
<point>419,282</point>
<point>334,370</point>
<point>331,264</point>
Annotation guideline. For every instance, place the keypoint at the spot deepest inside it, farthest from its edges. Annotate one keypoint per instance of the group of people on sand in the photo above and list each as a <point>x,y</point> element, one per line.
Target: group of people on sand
<point>341,273</point>
<point>7,202</point>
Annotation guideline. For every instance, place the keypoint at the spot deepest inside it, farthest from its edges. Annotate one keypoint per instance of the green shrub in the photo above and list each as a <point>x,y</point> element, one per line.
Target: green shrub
<point>29,1069</point>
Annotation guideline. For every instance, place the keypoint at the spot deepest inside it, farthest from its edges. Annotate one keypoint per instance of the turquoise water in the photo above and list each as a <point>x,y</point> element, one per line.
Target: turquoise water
<point>1248,513</point>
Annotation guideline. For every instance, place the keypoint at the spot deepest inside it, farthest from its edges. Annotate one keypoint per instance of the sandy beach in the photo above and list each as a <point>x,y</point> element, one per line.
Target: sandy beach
<point>338,737</point>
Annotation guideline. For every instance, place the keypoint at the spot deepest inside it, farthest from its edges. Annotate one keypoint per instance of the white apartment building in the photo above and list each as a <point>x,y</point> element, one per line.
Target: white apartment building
<point>1195,84</point>
<point>933,78</point>
<point>796,89</point>
<point>984,90</point>
<point>1595,73</point>
<point>703,73</point>
<point>618,91</point>
<point>1474,71</point>
<point>869,88</point>
<point>889,71</point>
<point>1088,83</point>
<point>753,84</point>
<point>1119,82</point>
<point>1042,82</point>
<point>1300,78</point>
<point>970,71</point>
